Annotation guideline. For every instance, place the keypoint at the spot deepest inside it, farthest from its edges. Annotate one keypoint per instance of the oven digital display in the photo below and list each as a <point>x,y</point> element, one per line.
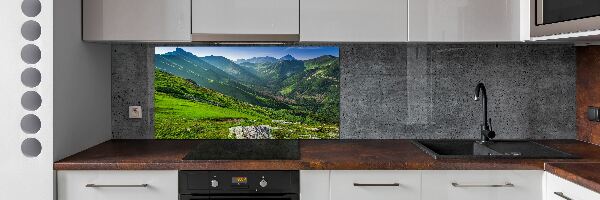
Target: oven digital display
<point>239,180</point>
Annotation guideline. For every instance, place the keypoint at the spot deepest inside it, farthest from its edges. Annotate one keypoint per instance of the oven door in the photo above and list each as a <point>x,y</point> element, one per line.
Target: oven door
<point>240,197</point>
<point>552,17</point>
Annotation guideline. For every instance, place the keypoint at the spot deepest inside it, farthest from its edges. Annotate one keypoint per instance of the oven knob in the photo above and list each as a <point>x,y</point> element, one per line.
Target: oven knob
<point>214,183</point>
<point>263,183</point>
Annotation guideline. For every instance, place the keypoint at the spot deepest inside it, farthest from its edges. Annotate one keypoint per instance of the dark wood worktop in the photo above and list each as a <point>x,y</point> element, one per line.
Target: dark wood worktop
<point>331,155</point>
<point>315,154</point>
<point>584,174</point>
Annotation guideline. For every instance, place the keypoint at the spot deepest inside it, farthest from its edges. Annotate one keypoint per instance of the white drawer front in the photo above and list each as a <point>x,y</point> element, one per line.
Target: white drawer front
<point>567,189</point>
<point>482,185</point>
<point>162,185</point>
<point>314,184</point>
<point>343,188</point>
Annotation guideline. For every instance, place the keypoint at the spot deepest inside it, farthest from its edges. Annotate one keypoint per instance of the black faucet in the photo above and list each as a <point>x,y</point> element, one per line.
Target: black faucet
<point>486,129</point>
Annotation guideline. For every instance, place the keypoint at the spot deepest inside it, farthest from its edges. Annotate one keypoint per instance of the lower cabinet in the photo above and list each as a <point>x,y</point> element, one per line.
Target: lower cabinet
<point>482,185</point>
<point>341,185</point>
<point>560,189</point>
<point>117,185</point>
<point>314,184</point>
<point>375,185</point>
<point>421,185</point>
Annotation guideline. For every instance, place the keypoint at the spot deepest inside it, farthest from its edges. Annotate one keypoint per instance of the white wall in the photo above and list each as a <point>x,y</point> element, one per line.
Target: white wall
<point>82,89</point>
<point>24,177</point>
<point>75,82</point>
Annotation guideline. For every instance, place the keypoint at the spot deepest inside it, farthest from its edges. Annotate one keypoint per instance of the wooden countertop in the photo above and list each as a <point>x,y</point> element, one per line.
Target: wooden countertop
<point>584,174</point>
<point>315,154</point>
<point>331,155</point>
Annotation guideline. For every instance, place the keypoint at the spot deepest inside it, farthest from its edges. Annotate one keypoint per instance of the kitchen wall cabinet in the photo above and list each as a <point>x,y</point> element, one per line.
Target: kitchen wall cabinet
<point>560,189</point>
<point>117,185</point>
<point>244,20</point>
<point>482,184</point>
<point>373,184</point>
<point>468,20</point>
<point>353,21</point>
<point>309,21</point>
<point>136,20</point>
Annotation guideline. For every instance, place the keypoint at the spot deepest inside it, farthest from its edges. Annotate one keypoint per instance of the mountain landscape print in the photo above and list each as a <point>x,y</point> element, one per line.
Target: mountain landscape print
<point>247,92</point>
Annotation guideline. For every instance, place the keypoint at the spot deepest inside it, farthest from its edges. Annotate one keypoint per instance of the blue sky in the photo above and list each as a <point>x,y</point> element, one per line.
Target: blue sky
<point>234,53</point>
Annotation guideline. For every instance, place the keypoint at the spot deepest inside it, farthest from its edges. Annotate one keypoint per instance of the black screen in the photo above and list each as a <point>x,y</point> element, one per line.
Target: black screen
<point>564,10</point>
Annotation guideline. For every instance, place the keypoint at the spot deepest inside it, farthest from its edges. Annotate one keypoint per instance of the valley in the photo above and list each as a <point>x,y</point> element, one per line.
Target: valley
<point>204,97</point>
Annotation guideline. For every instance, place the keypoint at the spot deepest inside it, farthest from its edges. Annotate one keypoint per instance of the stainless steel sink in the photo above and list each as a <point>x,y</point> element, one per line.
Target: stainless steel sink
<point>495,149</point>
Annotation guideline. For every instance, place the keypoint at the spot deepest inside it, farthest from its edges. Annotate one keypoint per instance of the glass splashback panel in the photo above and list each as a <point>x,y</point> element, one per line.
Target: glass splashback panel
<point>247,92</point>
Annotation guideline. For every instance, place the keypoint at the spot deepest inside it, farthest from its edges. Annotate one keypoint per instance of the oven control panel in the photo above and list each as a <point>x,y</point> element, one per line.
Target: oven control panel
<point>263,182</point>
<point>229,182</point>
<point>239,182</point>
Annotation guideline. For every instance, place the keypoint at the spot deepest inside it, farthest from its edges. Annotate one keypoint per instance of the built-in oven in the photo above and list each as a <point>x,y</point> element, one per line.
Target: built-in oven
<point>238,185</point>
<point>552,17</point>
<point>239,197</point>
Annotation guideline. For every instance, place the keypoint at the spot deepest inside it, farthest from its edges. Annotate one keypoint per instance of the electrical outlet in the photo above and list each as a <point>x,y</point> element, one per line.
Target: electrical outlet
<point>135,112</point>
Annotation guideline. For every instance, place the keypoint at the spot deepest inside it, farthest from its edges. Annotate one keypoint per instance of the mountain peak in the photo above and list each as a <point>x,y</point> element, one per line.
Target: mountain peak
<point>215,57</point>
<point>287,57</point>
<point>180,51</point>
<point>256,60</point>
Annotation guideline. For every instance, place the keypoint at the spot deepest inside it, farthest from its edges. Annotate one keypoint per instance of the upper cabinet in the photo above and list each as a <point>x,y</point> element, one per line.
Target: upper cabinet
<point>468,20</point>
<point>353,20</point>
<point>307,20</point>
<point>245,20</point>
<point>136,20</point>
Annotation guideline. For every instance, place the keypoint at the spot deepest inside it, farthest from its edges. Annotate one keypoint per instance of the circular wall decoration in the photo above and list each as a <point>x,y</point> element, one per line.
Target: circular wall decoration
<point>31,147</point>
<point>31,100</point>
<point>31,77</point>
<point>31,8</point>
<point>31,54</point>
<point>31,30</point>
<point>31,124</point>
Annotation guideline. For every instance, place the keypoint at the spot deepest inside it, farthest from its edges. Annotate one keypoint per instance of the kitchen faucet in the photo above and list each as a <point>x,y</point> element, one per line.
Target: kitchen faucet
<point>486,129</point>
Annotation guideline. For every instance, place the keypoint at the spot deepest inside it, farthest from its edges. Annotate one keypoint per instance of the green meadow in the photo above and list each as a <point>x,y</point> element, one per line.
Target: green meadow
<point>184,110</point>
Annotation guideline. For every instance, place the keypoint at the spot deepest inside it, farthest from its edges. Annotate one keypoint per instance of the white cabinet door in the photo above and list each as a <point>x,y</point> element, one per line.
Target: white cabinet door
<point>468,20</point>
<point>375,185</point>
<point>353,20</point>
<point>244,18</point>
<point>117,185</point>
<point>136,20</point>
<point>314,185</point>
<point>482,185</point>
<point>560,189</point>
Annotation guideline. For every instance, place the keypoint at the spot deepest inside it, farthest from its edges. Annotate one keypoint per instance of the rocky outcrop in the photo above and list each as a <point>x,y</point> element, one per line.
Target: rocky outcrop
<point>251,132</point>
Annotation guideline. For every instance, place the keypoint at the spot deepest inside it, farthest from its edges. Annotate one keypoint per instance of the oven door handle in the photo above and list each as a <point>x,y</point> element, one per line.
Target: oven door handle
<point>249,196</point>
